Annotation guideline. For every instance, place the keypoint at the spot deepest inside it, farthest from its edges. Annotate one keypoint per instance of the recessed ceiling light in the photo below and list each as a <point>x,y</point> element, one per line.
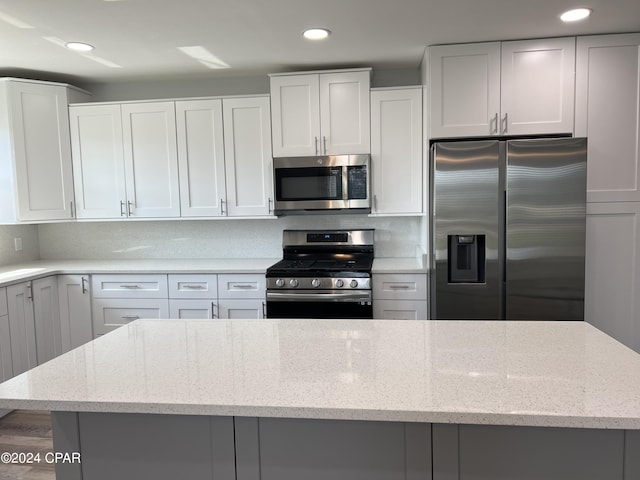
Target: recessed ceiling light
<point>575,15</point>
<point>79,46</point>
<point>316,33</point>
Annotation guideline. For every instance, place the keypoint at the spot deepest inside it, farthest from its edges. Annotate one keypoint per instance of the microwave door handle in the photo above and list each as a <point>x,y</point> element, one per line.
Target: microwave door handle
<point>345,183</point>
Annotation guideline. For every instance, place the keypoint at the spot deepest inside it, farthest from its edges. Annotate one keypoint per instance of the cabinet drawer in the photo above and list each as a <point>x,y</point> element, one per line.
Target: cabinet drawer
<point>400,286</point>
<point>3,302</point>
<point>241,286</point>
<point>109,314</point>
<point>193,286</point>
<point>129,286</point>
<point>400,310</point>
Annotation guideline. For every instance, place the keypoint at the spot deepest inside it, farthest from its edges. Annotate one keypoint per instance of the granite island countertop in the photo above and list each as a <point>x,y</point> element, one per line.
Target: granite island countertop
<point>552,374</point>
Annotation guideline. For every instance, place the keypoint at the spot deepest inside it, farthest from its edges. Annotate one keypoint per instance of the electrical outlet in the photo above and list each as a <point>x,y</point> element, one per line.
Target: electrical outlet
<point>17,244</point>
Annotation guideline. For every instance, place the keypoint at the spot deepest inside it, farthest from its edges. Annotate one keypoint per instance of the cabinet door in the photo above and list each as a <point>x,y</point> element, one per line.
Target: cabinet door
<point>111,313</point>
<point>6,364</point>
<point>607,99</point>
<point>129,286</point>
<point>98,161</point>
<point>537,88</point>
<point>400,309</point>
<point>612,283</point>
<point>192,308</point>
<point>396,151</point>
<point>464,86</point>
<point>203,286</point>
<point>249,165</point>
<point>241,285</point>
<point>345,113</point>
<point>151,159</point>
<point>240,309</point>
<point>46,309</point>
<point>42,153</point>
<point>201,157</point>
<point>399,286</point>
<point>75,310</point>
<point>22,327</point>
<point>295,103</point>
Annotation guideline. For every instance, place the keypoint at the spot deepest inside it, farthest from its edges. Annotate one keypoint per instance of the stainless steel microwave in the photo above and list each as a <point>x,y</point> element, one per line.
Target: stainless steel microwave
<point>333,182</point>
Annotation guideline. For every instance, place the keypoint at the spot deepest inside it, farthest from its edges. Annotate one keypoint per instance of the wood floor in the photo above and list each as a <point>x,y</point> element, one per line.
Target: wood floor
<point>26,431</point>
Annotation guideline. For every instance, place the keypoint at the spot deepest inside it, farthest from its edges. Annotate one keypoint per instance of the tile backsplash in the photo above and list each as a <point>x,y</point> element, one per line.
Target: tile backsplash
<point>28,235</point>
<point>395,237</point>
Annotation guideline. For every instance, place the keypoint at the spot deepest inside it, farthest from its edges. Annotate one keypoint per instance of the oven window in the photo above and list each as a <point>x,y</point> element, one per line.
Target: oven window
<point>322,183</point>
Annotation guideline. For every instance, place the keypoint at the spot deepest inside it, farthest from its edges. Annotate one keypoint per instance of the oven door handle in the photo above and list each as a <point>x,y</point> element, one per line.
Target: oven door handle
<point>318,297</point>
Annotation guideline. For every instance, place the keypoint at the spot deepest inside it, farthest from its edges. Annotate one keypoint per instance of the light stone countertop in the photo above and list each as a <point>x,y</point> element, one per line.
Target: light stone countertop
<point>553,374</point>
<point>11,274</point>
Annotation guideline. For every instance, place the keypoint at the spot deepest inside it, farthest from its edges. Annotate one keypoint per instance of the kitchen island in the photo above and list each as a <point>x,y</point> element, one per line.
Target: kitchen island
<point>352,399</point>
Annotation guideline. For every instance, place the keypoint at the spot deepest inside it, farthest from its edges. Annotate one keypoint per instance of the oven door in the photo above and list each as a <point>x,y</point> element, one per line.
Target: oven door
<point>319,304</point>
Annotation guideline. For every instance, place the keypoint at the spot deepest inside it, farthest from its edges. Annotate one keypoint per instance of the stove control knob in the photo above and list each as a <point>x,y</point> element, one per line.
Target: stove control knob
<point>315,283</point>
<point>280,283</point>
<point>293,282</point>
<point>339,283</point>
<point>353,284</point>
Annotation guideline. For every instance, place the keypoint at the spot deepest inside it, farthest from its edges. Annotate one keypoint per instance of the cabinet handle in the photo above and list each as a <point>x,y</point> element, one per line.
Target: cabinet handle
<point>222,202</point>
<point>129,205</point>
<point>494,130</point>
<point>29,291</point>
<point>193,287</point>
<point>71,209</point>
<point>84,285</point>
<point>242,285</point>
<point>506,123</point>
<point>375,203</point>
<point>214,313</point>
<point>270,202</point>
<point>264,309</point>
<point>130,286</point>
<point>315,139</point>
<point>399,287</point>
<point>130,317</point>
<point>122,211</point>
<point>324,144</point>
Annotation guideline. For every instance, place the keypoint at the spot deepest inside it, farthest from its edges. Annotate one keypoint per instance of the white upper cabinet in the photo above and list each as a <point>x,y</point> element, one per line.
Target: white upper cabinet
<point>201,157</point>
<point>35,157</point>
<point>321,113</point>
<point>464,86</point>
<point>508,88</point>
<point>607,113</point>
<point>98,161</point>
<point>248,161</point>
<point>125,160</point>
<point>151,159</point>
<point>396,150</point>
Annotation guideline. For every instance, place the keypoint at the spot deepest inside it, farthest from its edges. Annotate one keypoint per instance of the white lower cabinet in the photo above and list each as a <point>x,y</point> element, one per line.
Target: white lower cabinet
<point>612,283</point>
<point>192,308</point>
<point>46,310</point>
<point>241,296</point>
<point>75,310</point>
<point>121,299</point>
<point>6,364</point>
<point>22,327</point>
<point>111,313</point>
<point>193,296</point>
<point>400,296</point>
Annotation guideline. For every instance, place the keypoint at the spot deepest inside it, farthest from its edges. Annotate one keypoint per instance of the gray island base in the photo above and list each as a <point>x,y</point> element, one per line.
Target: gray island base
<point>334,399</point>
<point>166,447</point>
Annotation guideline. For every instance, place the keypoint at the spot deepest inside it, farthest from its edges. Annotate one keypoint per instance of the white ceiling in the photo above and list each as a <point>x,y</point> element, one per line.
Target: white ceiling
<point>140,38</point>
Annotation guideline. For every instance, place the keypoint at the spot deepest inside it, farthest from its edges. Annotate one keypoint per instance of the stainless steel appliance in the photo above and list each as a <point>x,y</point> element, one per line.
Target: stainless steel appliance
<point>336,182</point>
<point>508,229</point>
<point>323,274</point>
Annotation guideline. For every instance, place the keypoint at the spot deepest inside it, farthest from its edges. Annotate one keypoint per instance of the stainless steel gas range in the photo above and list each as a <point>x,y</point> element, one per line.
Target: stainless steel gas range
<point>323,274</point>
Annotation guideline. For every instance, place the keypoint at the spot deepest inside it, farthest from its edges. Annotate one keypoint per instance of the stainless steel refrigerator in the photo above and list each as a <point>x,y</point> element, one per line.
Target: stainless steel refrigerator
<point>508,229</point>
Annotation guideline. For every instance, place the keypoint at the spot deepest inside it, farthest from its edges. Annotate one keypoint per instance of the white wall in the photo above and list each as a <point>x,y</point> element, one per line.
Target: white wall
<point>30,249</point>
<point>395,237</point>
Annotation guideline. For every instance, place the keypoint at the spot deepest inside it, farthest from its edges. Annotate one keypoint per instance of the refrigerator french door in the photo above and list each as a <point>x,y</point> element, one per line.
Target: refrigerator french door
<point>508,229</point>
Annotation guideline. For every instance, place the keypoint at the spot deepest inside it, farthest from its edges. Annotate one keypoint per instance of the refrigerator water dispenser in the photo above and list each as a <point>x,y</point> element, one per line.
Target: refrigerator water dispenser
<point>466,258</point>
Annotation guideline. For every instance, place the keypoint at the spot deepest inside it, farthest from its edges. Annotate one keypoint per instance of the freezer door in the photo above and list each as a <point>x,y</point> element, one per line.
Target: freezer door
<point>466,194</point>
<point>545,229</point>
